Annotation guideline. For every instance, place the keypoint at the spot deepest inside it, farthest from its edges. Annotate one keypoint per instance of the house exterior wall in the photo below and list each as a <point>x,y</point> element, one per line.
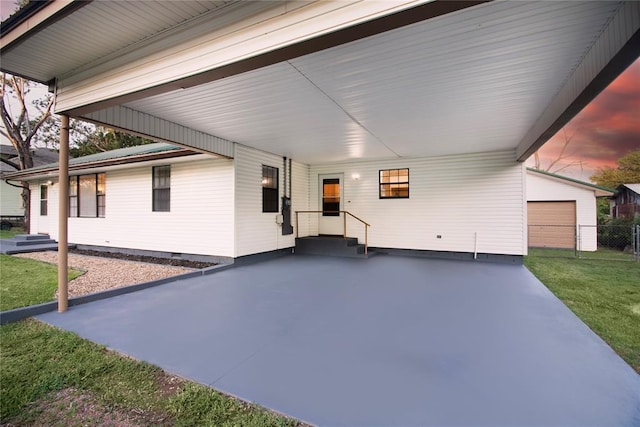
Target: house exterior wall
<point>457,197</point>
<point>10,200</point>
<point>43,223</point>
<point>541,188</point>
<point>256,231</point>
<point>200,220</point>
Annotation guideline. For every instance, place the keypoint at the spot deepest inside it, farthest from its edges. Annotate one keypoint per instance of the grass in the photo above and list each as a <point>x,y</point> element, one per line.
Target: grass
<point>601,253</point>
<point>605,294</point>
<point>7,234</point>
<point>39,360</point>
<point>25,282</point>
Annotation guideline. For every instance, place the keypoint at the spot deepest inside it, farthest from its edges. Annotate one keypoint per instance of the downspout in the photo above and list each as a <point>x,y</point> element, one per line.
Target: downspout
<point>63,215</point>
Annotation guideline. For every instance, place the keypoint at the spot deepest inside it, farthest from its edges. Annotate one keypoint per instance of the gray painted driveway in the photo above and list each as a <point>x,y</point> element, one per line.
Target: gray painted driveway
<point>389,341</point>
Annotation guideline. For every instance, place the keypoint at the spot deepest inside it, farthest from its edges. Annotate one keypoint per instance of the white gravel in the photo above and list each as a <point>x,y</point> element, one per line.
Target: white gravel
<point>107,273</point>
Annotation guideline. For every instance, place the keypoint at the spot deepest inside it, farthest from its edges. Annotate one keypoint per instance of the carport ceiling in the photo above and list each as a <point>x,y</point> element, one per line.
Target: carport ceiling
<point>474,80</point>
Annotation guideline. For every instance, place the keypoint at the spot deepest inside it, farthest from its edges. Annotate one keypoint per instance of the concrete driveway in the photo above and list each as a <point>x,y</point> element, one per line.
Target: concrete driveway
<point>389,341</point>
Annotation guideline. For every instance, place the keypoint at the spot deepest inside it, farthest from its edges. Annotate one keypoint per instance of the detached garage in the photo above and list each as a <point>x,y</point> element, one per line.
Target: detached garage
<point>561,211</point>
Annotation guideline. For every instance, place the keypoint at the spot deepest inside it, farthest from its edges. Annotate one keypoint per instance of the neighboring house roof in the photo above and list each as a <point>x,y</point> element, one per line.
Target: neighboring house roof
<point>633,187</point>
<point>108,158</point>
<point>7,151</point>
<point>40,157</point>
<point>600,191</point>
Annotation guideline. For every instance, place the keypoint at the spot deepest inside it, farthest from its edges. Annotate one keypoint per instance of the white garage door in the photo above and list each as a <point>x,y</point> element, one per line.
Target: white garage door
<point>552,224</point>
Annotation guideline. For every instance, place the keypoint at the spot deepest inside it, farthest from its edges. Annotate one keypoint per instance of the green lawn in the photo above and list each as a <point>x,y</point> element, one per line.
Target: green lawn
<point>25,282</point>
<point>7,234</point>
<point>601,253</point>
<point>53,377</point>
<point>50,376</point>
<point>604,294</point>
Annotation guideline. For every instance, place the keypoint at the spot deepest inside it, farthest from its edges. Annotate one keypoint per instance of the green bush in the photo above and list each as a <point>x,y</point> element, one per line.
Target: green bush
<point>617,233</point>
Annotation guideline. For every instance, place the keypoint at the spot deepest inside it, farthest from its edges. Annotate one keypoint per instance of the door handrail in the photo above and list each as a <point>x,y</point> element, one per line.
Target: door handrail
<point>344,224</point>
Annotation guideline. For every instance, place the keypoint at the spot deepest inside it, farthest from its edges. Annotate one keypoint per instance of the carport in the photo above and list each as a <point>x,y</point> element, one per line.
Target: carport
<point>324,82</point>
<point>385,341</point>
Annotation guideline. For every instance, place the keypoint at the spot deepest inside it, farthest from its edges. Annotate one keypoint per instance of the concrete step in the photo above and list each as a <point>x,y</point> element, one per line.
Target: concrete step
<point>22,243</point>
<point>35,242</point>
<point>30,237</point>
<point>331,246</point>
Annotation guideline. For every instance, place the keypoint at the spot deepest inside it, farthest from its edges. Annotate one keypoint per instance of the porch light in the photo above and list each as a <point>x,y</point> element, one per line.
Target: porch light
<point>355,176</point>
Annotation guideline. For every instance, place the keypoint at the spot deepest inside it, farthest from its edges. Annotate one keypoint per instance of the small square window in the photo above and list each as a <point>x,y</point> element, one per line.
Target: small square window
<point>394,184</point>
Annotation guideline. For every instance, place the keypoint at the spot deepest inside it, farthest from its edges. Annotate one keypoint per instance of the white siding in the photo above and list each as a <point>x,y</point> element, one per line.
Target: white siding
<point>257,231</point>
<point>200,220</point>
<point>541,188</point>
<point>454,197</point>
<point>10,200</point>
<point>156,128</point>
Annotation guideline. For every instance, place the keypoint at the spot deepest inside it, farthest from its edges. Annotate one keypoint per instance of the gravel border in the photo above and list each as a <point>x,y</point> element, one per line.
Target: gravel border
<point>107,273</point>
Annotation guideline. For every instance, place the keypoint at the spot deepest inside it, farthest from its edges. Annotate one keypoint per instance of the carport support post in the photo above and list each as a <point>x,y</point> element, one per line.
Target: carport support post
<point>63,214</point>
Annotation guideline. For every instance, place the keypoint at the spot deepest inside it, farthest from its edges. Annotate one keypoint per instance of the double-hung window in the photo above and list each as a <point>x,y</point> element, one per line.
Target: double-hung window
<point>162,188</point>
<point>394,184</point>
<point>44,191</point>
<point>87,196</point>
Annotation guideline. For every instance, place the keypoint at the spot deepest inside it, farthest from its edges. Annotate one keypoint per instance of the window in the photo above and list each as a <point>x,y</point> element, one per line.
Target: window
<point>394,184</point>
<point>44,190</point>
<point>73,196</point>
<point>87,196</point>
<point>162,188</point>
<point>331,197</point>
<point>269,189</point>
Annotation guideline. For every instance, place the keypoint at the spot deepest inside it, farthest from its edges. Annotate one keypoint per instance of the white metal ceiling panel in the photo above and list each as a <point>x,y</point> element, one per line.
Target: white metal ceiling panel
<point>99,29</point>
<point>478,77</point>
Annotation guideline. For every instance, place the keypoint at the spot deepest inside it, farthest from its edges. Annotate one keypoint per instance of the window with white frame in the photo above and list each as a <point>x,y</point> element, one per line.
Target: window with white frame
<point>44,191</point>
<point>162,188</point>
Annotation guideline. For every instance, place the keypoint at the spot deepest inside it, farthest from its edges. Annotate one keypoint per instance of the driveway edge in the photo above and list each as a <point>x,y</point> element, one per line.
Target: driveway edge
<point>13,315</point>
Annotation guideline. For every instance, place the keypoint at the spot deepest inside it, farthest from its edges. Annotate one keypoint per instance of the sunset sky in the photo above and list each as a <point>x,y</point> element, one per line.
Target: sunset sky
<point>607,129</point>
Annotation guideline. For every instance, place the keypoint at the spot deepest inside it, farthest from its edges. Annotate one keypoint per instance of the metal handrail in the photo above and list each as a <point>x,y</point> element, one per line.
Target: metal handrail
<point>344,224</point>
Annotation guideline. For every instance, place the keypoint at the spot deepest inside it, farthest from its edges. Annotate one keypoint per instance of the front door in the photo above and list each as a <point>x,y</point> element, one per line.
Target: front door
<point>331,197</point>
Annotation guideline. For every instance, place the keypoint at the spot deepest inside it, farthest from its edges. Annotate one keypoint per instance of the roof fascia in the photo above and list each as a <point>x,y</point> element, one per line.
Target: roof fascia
<point>42,172</point>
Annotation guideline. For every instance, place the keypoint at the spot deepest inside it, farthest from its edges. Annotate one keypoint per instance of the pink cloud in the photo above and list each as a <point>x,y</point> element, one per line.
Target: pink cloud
<point>605,130</point>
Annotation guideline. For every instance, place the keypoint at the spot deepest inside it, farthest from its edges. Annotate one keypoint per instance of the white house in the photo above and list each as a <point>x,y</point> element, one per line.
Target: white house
<point>12,209</point>
<point>562,212</point>
<point>414,116</point>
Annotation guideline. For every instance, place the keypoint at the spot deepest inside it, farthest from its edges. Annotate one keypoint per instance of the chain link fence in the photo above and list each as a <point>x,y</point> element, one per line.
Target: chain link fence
<point>605,242</point>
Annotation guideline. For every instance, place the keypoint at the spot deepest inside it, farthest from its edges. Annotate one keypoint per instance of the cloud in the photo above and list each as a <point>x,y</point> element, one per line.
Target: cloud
<point>606,129</point>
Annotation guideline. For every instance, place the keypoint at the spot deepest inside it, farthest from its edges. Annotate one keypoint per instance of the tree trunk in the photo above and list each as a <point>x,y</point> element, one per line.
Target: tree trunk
<point>26,201</point>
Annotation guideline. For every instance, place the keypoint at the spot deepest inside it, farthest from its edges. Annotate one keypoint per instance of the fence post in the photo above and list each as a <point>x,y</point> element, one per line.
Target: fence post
<point>636,249</point>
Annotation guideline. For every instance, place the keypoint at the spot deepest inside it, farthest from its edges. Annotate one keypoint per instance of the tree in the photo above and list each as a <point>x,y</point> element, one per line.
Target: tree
<point>105,140</point>
<point>627,172</point>
<point>19,127</point>
<point>559,163</point>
